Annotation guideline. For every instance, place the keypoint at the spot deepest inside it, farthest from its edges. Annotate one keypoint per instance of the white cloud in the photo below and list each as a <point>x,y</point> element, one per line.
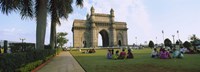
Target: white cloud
<point>11,31</point>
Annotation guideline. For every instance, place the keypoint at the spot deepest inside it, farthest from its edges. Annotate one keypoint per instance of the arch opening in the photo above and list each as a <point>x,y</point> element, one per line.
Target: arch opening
<point>104,38</point>
<point>119,43</point>
<point>120,39</point>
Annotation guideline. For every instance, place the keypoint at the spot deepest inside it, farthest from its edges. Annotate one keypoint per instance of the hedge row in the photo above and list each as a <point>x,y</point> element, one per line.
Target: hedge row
<point>24,61</point>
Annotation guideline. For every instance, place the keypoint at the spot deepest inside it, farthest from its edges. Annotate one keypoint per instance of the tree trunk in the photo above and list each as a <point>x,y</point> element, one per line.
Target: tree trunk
<point>41,18</point>
<point>53,35</point>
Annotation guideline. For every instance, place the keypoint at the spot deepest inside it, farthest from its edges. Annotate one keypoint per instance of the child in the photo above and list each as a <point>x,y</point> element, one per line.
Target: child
<point>177,54</point>
<point>129,54</point>
<point>109,54</point>
<point>154,53</point>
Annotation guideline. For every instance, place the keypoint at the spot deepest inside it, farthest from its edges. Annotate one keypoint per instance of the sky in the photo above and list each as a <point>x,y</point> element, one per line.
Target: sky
<point>145,20</point>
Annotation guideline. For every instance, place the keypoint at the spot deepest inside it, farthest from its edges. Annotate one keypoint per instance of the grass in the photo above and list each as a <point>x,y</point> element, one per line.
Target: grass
<point>142,62</point>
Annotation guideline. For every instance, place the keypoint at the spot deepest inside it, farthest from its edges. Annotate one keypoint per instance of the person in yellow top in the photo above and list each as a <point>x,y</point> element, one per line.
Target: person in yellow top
<point>116,55</point>
<point>1,49</point>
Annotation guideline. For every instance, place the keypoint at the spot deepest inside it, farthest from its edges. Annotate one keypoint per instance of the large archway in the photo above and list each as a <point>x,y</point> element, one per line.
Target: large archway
<point>105,38</point>
<point>99,25</point>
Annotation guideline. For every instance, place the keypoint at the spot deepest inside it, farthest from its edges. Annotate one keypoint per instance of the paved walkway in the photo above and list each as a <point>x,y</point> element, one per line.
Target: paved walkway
<point>64,62</point>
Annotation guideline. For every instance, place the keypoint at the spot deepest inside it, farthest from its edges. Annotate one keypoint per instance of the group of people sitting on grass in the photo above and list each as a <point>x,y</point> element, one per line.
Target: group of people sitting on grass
<point>122,55</point>
<point>89,51</point>
<point>165,53</point>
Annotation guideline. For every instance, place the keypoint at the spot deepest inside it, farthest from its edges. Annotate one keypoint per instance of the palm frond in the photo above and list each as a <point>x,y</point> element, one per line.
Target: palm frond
<point>7,6</point>
<point>64,8</point>
<point>79,3</point>
<point>53,12</point>
<point>26,9</point>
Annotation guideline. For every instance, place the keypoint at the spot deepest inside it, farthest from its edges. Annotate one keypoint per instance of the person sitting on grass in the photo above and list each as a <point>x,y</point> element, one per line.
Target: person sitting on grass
<point>112,51</point>
<point>154,53</point>
<point>122,54</point>
<point>177,54</point>
<point>109,54</point>
<point>93,50</point>
<point>130,54</point>
<point>164,54</point>
<point>86,51</point>
<point>116,55</point>
<point>0,49</point>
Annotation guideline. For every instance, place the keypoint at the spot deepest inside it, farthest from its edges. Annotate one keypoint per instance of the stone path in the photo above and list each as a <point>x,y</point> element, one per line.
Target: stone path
<point>64,62</point>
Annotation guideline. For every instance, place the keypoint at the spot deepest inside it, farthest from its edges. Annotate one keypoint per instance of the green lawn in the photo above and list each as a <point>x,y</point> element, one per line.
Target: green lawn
<point>142,62</point>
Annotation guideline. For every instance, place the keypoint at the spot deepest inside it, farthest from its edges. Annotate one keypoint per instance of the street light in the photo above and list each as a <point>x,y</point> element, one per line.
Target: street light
<point>22,39</point>
<point>156,40</point>
<point>163,36</point>
<point>136,40</point>
<point>173,39</point>
<point>178,34</point>
<point>22,43</point>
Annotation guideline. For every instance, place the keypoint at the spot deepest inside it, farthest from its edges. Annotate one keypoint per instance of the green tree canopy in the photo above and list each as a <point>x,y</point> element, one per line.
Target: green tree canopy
<point>151,44</point>
<point>187,44</point>
<point>61,39</point>
<point>168,43</point>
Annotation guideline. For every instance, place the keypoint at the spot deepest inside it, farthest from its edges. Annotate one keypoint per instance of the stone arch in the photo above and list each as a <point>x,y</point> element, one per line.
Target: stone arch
<point>119,43</point>
<point>120,39</point>
<point>105,37</point>
<point>85,32</point>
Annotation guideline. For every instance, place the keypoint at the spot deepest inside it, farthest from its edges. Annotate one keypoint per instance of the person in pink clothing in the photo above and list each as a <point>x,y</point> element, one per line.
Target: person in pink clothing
<point>164,54</point>
<point>122,55</point>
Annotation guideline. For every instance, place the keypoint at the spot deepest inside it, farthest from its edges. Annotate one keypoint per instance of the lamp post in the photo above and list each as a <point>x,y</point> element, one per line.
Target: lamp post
<point>178,34</point>
<point>22,39</point>
<point>136,40</point>
<point>163,36</point>
<point>22,43</point>
<point>70,44</point>
<point>163,39</point>
<point>156,40</point>
<point>173,38</point>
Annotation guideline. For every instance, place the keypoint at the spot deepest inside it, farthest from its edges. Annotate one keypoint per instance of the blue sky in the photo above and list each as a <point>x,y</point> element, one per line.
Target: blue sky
<point>145,20</point>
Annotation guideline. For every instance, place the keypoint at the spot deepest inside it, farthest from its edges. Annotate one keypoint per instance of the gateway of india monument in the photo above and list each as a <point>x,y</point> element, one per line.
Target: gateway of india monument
<point>85,32</point>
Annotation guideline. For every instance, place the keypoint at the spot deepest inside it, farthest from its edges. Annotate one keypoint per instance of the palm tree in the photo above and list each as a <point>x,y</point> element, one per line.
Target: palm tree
<point>59,9</point>
<point>41,20</point>
<point>25,7</point>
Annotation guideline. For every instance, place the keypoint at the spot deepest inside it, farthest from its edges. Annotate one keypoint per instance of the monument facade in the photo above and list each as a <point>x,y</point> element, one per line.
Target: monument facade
<point>85,32</point>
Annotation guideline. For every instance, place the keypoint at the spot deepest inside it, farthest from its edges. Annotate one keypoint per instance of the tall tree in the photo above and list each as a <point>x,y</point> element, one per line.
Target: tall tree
<point>187,45</point>
<point>61,39</point>
<point>195,41</point>
<point>151,44</point>
<point>59,9</point>
<point>41,20</point>
<point>25,7</point>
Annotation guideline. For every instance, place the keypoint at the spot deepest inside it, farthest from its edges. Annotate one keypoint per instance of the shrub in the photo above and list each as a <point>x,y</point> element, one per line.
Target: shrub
<point>30,66</point>
<point>12,62</point>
